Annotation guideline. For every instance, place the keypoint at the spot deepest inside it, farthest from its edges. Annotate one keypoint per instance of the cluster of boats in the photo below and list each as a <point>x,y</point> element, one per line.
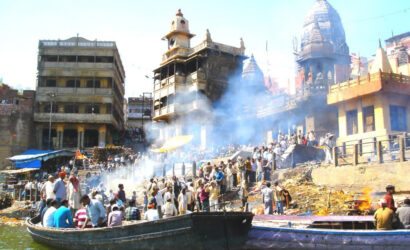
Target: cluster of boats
<point>228,230</point>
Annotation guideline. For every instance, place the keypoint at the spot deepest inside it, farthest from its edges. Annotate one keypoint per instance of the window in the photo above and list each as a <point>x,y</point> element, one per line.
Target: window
<point>351,119</point>
<point>108,108</point>
<point>51,83</point>
<point>72,108</point>
<point>398,120</point>
<point>86,59</point>
<point>104,59</point>
<point>368,119</point>
<point>68,59</point>
<point>46,108</point>
<point>92,109</point>
<point>72,83</point>
<point>92,84</point>
<point>49,58</point>
<point>182,21</point>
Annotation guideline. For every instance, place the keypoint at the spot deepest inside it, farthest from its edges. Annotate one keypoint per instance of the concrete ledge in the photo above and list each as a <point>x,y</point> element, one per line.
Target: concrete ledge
<point>377,176</point>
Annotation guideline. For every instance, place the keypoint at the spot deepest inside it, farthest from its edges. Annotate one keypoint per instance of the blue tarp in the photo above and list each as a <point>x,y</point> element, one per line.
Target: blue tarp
<point>30,164</point>
<point>32,158</point>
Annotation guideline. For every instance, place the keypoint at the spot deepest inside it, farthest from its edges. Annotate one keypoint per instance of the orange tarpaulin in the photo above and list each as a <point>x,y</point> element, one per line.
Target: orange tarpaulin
<point>79,156</point>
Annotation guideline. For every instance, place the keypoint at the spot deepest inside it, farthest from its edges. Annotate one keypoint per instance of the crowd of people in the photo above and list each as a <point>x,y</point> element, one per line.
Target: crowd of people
<point>65,204</point>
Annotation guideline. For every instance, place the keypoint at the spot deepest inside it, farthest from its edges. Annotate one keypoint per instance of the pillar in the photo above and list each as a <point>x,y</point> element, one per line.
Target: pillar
<point>355,154</point>
<point>102,131</point>
<point>360,128</point>
<point>80,137</point>
<point>203,136</point>
<point>39,136</point>
<point>379,152</point>
<point>60,136</point>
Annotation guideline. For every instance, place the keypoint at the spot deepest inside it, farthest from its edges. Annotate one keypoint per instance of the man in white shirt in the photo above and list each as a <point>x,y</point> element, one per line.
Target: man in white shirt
<point>267,198</point>
<point>48,219</point>
<point>157,194</point>
<point>47,189</point>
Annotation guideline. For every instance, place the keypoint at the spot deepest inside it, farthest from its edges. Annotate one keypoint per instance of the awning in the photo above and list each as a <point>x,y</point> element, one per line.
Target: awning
<point>174,143</point>
<point>32,158</point>
<point>18,171</point>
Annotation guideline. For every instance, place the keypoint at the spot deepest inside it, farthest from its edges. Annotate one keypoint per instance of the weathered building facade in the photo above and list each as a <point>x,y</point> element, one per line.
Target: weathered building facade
<point>16,122</point>
<point>80,93</point>
<point>139,114</point>
<point>374,107</point>
<point>190,79</point>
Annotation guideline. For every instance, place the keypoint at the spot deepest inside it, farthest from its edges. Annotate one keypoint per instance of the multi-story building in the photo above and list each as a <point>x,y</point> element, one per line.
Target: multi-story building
<point>80,93</point>
<point>190,78</point>
<point>139,114</point>
<point>16,122</point>
<point>398,50</point>
<point>374,107</point>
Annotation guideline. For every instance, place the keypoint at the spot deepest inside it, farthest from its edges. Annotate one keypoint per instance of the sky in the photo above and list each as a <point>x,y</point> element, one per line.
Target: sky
<point>138,26</point>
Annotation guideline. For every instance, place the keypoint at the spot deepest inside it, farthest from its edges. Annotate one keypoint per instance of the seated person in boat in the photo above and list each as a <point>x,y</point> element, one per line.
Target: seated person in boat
<point>48,205</point>
<point>115,217</point>
<point>403,214</point>
<point>131,212</point>
<point>152,213</point>
<point>384,216</point>
<point>48,219</point>
<point>62,217</point>
<point>169,209</point>
<point>80,217</point>
<point>95,212</point>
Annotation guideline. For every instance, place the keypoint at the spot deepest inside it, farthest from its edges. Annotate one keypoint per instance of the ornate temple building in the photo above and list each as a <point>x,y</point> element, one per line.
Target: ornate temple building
<point>253,78</point>
<point>324,57</point>
<point>190,79</point>
<point>323,60</point>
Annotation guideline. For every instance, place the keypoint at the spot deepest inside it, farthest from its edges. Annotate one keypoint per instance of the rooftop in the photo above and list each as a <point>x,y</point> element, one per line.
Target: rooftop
<point>76,42</point>
<point>369,84</point>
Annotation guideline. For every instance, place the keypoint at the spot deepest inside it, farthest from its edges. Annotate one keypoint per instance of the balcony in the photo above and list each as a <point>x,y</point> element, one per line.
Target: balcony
<point>61,91</point>
<point>75,65</point>
<point>75,118</point>
<point>369,84</point>
<point>164,112</point>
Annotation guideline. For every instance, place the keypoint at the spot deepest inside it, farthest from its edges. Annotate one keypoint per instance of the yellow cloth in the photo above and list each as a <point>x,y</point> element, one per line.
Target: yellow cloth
<point>214,193</point>
<point>384,218</point>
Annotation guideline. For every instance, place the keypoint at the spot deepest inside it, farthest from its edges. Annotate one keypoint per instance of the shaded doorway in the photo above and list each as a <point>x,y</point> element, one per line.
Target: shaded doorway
<point>70,138</point>
<point>90,138</point>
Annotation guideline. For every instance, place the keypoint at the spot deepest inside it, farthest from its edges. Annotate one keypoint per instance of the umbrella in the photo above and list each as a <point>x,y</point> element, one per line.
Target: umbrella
<point>174,143</point>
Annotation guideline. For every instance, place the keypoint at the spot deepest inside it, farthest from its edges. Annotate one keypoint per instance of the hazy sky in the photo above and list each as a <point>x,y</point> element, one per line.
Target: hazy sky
<point>137,28</point>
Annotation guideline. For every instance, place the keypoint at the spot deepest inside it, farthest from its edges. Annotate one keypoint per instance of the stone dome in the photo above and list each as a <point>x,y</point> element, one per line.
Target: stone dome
<point>180,23</point>
<point>252,75</point>
<point>330,24</point>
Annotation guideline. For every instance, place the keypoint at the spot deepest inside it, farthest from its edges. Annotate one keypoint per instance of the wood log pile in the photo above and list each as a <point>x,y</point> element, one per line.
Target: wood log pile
<point>102,154</point>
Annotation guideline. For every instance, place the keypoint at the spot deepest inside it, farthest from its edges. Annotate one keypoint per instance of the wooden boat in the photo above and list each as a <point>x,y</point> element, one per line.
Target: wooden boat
<point>315,232</point>
<point>214,230</point>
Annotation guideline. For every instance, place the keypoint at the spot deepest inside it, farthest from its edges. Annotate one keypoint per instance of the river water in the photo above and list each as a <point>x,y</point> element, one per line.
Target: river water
<point>17,237</point>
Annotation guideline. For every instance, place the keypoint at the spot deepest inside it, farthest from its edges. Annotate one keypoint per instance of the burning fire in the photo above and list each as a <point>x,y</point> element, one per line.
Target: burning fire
<point>323,212</point>
<point>364,203</point>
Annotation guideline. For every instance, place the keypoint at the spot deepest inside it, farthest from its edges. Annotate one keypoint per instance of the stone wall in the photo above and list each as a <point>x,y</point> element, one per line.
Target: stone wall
<point>377,176</point>
<point>16,123</point>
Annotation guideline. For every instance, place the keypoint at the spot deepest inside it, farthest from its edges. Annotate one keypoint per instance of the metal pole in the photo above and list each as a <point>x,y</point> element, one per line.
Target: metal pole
<point>49,126</point>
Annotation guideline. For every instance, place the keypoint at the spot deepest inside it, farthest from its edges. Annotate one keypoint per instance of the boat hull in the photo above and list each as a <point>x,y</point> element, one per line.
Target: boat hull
<point>196,230</point>
<point>289,238</point>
